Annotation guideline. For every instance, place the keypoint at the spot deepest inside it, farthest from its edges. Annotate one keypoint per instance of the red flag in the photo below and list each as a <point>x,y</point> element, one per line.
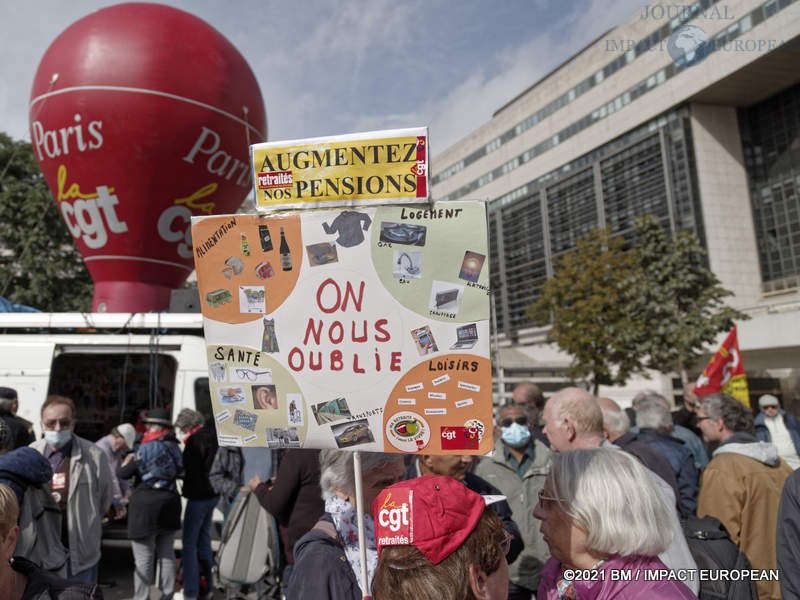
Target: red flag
<point>725,372</point>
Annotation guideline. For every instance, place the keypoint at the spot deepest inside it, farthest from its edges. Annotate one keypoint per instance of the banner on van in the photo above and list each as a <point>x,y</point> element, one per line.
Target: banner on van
<point>376,167</point>
<point>364,329</point>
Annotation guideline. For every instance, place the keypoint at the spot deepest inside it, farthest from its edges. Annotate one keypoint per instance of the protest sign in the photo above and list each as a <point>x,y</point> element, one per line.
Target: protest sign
<point>378,167</point>
<point>357,329</point>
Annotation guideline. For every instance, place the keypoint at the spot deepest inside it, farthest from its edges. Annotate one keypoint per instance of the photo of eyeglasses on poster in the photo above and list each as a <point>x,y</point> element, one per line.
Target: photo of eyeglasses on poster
<point>250,375</point>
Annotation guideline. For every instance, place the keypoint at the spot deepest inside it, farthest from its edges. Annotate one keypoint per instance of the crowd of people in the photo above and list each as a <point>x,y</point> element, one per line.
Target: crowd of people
<point>577,492</point>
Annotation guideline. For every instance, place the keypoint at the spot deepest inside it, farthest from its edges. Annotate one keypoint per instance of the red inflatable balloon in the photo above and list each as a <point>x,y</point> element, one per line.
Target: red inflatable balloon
<point>141,116</point>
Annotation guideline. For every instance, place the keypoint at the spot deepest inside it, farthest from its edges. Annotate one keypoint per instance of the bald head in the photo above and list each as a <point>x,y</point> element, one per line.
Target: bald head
<point>615,420</point>
<point>572,419</point>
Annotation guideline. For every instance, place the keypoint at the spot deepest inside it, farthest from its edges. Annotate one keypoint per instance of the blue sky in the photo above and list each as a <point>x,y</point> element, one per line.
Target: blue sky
<point>329,67</point>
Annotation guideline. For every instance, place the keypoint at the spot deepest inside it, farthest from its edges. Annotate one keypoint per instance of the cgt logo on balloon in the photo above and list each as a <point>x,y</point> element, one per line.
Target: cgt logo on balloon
<point>90,217</point>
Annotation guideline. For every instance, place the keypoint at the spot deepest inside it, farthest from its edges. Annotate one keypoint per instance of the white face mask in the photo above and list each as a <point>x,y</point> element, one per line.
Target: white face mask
<point>58,439</point>
<point>516,435</point>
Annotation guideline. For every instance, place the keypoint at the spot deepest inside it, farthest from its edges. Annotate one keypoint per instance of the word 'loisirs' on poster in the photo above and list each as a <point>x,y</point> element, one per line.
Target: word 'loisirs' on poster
<point>363,329</point>
<point>363,169</point>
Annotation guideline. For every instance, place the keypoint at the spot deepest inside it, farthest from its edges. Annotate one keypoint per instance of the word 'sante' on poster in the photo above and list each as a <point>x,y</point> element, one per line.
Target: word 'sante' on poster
<point>368,328</point>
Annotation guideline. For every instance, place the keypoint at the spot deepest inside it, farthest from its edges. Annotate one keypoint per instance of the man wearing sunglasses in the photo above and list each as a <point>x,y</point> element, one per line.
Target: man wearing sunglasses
<point>518,469</point>
<point>775,425</point>
<point>82,486</point>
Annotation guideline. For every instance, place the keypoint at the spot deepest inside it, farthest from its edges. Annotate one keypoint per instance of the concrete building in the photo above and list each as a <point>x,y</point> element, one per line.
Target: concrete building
<point>687,112</point>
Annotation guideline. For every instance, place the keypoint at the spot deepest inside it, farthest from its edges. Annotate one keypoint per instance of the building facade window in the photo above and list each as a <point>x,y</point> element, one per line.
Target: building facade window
<point>771,144</point>
<point>649,171</point>
<point>645,86</point>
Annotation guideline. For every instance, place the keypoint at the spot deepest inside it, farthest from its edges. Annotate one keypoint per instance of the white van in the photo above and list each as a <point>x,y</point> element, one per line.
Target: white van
<point>112,365</point>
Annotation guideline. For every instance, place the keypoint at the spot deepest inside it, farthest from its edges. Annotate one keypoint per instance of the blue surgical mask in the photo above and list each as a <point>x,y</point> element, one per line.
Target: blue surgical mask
<point>58,439</point>
<point>516,435</point>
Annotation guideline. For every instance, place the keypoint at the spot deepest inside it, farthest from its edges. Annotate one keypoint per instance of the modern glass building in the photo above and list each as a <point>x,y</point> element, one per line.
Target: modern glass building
<point>689,113</point>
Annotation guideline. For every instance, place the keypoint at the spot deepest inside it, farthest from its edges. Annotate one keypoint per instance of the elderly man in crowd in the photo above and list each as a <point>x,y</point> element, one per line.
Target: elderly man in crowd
<point>617,427</point>
<point>518,469</point>
<point>573,420</point>
<point>82,485</point>
<point>655,425</point>
<point>116,445</point>
<point>742,484</point>
<point>529,397</point>
<point>692,441</point>
<point>775,425</point>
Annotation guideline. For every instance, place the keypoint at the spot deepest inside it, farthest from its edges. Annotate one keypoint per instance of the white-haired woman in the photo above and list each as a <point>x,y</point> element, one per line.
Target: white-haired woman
<point>605,524</point>
<point>326,559</point>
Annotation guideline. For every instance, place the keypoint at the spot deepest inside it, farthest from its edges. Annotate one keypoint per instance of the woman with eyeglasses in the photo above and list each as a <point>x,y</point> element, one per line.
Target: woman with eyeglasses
<point>605,525</point>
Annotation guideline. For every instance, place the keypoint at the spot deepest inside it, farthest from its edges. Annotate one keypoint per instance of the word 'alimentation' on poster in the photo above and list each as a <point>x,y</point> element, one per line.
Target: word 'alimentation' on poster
<point>349,312</point>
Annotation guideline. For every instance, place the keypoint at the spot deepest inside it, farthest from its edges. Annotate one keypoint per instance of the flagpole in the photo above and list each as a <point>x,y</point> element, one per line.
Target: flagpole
<point>362,542</point>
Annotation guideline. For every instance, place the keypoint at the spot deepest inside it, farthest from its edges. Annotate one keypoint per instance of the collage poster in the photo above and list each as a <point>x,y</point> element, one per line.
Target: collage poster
<point>363,329</point>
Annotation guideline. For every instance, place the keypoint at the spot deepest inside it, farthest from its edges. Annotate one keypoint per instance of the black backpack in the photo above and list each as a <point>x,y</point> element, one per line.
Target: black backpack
<point>713,549</point>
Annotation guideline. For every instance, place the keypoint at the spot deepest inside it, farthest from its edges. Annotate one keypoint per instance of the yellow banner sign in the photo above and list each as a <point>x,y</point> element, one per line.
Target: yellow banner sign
<point>378,167</point>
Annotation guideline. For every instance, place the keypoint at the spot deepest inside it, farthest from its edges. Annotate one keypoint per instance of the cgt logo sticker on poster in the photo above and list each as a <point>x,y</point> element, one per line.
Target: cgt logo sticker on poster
<point>460,438</point>
<point>345,348</point>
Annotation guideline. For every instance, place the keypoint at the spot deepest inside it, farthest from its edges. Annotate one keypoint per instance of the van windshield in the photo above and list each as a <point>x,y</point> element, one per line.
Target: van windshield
<point>109,389</point>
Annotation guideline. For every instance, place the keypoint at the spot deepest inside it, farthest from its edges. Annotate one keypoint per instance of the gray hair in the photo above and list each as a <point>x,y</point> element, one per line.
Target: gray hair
<point>652,413</point>
<point>336,469</point>
<point>649,395</point>
<point>595,488</point>
<point>733,413</point>
<point>616,421</point>
<point>189,419</point>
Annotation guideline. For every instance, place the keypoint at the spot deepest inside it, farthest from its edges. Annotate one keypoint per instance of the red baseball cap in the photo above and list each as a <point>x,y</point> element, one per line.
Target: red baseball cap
<point>434,513</point>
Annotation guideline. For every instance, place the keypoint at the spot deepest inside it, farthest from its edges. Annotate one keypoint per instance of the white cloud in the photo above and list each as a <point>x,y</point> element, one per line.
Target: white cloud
<point>473,101</point>
<point>328,68</point>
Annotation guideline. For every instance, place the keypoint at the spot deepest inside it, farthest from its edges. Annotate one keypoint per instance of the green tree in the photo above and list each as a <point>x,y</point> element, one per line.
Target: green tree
<point>39,263</point>
<point>677,298</point>
<point>586,303</point>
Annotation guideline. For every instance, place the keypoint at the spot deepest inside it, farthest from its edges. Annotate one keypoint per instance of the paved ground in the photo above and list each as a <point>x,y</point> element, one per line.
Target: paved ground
<point>116,575</point>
